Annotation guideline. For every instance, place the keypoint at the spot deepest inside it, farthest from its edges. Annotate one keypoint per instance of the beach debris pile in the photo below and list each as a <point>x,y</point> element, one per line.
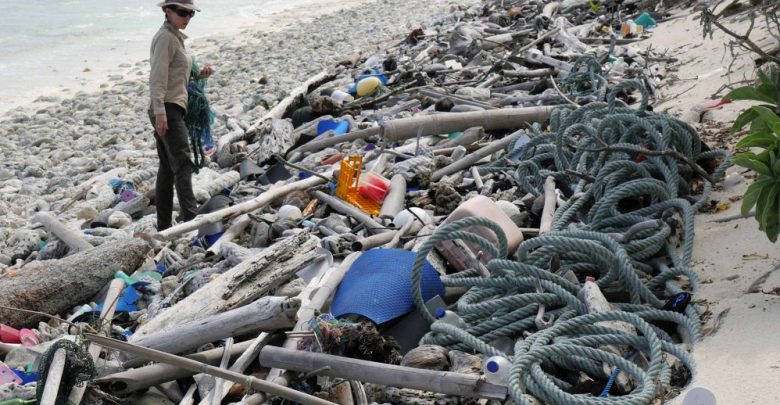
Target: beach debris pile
<point>486,210</point>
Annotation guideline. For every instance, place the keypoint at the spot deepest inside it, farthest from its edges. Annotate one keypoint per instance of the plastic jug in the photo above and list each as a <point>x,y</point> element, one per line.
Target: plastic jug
<point>450,317</point>
<point>496,370</point>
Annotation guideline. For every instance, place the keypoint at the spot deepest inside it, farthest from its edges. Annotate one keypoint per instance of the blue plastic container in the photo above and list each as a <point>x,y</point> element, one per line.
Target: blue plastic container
<point>338,127</point>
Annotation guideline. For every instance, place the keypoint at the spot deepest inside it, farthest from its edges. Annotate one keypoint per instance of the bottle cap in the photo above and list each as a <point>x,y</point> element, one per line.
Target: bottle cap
<point>440,312</point>
<point>492,366</point>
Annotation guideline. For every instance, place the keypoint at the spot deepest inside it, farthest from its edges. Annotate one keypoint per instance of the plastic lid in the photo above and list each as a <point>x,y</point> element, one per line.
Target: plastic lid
<point>440,312</point>
<point>492,366</point>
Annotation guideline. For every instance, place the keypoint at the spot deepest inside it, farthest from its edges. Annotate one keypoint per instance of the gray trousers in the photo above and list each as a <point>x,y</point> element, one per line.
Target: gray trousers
<point>176,168</point>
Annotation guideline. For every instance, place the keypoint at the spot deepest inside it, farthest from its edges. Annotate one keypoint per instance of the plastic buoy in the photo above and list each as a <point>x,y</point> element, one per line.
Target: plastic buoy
<point>367,86</point>
<point>699,396</point>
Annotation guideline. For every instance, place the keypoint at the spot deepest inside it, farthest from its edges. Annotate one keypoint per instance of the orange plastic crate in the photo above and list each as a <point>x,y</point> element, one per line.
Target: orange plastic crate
<point>347,189</point>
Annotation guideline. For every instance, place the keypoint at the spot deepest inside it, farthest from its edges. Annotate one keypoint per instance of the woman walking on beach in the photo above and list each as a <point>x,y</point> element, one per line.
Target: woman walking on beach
<point>170,74</point>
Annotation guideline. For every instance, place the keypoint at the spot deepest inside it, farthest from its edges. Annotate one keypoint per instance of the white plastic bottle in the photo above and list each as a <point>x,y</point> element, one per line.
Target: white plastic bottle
<point>450,317</point>
<point>496,370</point>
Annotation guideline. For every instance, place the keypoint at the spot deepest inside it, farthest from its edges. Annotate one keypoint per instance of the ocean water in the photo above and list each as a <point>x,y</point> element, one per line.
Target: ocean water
<point>59,47</point>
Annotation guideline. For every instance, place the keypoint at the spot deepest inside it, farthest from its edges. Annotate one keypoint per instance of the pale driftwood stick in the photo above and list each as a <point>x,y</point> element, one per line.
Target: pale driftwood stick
<point>115,289</point>
<point>241,285</point>
<point>477,178</point>
<point>265,314</point>
<point>216,394</point>
<point>53,378</point>
<point>248,206</point>
<point>280,109</point>
<point>136,379</point>
<point>189,396</point>
<point>465,385</point>
<point>55,286</point>
<point>550,201</point>
<point>233,232</point>
<point>72,238</point>
<point>244,361</point>
<point>318,145</point>
<point>196,366</point>
<point>474,157</point>
<point>595,302</point>
<point>350,210</point>
<point>504,118</point>
<point>395,199</point>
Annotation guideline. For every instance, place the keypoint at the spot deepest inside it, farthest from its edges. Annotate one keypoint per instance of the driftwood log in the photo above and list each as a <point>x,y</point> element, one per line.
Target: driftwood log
<point>239,286</point>
<point>265,314</point>
<point>245,207</point>
<point>55,286</point>
<point>136,379</point>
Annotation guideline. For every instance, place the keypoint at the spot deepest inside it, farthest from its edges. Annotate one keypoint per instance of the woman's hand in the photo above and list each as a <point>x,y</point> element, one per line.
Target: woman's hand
<point>161,124</point>
<point>205,72</point>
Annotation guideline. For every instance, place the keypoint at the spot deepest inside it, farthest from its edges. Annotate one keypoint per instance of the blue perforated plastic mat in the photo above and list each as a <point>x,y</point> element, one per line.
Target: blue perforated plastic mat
<point>378,285</point>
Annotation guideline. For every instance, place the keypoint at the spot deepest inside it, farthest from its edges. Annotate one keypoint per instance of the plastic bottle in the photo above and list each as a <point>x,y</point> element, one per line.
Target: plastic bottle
<point>450,317</point>
<point>496,370</point>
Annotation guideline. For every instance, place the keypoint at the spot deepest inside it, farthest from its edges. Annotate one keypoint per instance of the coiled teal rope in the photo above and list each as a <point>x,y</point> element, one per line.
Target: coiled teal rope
<point>621,223</point>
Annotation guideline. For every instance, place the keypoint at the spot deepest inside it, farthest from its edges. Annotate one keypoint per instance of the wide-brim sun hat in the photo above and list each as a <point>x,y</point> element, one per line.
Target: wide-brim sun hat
<point>188,4</point>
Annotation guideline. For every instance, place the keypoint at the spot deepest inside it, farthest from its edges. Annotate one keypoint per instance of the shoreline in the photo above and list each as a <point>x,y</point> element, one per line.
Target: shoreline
<point>52,147</point>
<point>99,76</point>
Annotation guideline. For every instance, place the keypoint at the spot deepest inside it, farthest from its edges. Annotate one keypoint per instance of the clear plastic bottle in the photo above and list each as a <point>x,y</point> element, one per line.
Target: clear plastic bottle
<point>496,370</point>
<point>450,317</point>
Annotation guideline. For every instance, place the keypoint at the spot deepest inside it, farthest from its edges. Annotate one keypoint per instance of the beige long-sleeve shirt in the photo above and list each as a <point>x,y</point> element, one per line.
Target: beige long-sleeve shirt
<point>170,69</point>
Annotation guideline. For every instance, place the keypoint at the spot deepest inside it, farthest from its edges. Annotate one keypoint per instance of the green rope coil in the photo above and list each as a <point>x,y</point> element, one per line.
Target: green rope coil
<point>625,215</point>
